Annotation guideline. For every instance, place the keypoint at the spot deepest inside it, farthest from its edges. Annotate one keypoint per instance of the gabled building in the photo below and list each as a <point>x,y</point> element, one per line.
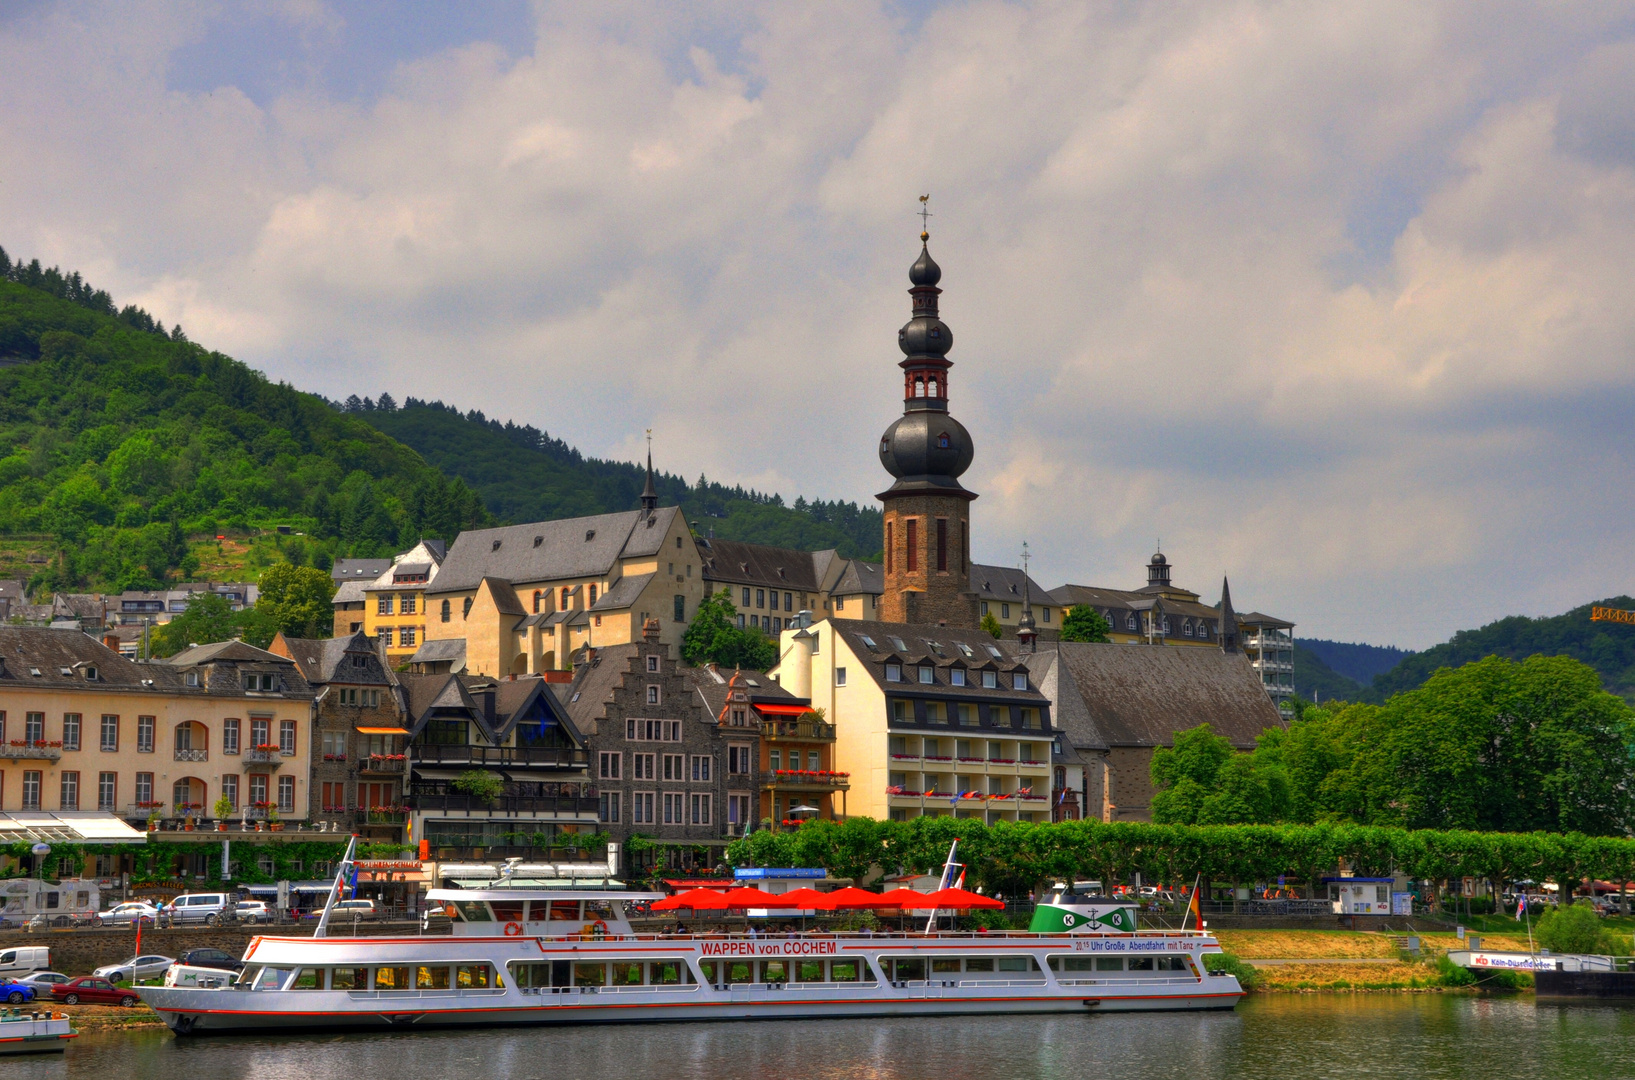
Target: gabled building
<point>525,598</point>
<point>511,729</point>
<point>1003,591</point>
<point>768,585</point>
<point>665,765</point>
<point>1115,705</point>
<point>394,604</point>
<point>358,734</point>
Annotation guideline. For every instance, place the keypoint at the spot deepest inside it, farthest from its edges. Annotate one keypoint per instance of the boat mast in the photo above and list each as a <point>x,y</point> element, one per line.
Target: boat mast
<point>943,882</point>
<point>341,872</point>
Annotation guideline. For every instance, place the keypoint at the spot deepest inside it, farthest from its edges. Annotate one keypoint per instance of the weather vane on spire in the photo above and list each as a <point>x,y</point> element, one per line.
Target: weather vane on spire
<point>1024,557</point>
<point>925,213</point>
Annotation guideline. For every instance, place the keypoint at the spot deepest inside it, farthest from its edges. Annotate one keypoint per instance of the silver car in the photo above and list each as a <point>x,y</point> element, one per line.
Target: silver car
<point>137,968</point>
<point>127,913</point>
<point>43,981</point>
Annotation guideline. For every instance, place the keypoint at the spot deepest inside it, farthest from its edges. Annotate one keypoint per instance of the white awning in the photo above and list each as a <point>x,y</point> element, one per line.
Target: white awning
<point>67,827</point>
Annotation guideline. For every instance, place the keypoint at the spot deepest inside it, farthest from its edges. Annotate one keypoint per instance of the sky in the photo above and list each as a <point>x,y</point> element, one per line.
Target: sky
<point>1336,299</point>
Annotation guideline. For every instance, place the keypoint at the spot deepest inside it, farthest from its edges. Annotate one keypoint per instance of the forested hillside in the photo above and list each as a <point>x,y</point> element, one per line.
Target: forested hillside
<point>1607,647</point>
<point>1360,663</point>
<point>523,474</point>
<point>1314,680</point>
<point>123,445</point>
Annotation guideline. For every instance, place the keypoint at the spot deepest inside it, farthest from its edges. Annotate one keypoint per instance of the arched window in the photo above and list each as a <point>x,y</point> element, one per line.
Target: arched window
<point>942,441</point>
<point>931,390</point>
<point>919,386</point>
<point>465,609</point>
<point>592,596</point>
<point>537,595</point>
<point>566,592</point>
<point>447,610</point>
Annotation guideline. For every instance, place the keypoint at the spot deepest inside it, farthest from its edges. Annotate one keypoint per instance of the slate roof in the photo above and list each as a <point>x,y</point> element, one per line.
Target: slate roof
<point>551,550</point>
<point>505,598</point>
<point>1130,600</point>
<point>224,650</point>
<point>49,651</point>
<point>624,592</point>
<point>939,646</point>
<point>320,659</point>
<point>438,650</point>
<point>1141,695</point>
<point>11,589</point>
<point>757,564</point>
<point>712,688</point>
<point>1069,713</point>
<point>860,577</point>
<point>1004,584</point>
<point>350,592</point>
<point>593,684</point>
<point>358,569</point>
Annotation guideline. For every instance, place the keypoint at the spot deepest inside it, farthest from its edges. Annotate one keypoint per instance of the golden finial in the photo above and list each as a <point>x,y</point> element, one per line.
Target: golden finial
<point>925,212</point>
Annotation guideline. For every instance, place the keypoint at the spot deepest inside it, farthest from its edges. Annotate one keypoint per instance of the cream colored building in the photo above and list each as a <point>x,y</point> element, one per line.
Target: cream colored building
<point>394,604</point>
<point>928,720</point>
<point>83,728</point>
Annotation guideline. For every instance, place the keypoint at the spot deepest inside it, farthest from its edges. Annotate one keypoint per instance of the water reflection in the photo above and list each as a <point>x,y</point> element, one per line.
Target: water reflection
<point>1312,1036</point>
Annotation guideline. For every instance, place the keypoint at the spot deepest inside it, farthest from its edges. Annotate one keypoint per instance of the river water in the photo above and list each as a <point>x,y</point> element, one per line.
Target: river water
<point>1308,1036</point>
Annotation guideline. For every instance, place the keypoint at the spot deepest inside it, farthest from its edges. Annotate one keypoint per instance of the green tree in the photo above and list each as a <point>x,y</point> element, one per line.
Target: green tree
<point>1575,928</point>
<point>207,618</point>
<point>1084,623</point>
<point>296,601</point>
<point>1203,780</point>
<point>714,637</point>
<point>991,625</point>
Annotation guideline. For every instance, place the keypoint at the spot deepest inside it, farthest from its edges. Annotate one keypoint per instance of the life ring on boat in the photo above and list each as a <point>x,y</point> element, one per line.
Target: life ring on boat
<point>513,929</point>
<point>598,928</point>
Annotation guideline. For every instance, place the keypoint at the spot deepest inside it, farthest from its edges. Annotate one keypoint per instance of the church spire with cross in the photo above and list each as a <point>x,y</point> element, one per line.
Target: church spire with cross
<point>650,493</point>
<point>927,511</point>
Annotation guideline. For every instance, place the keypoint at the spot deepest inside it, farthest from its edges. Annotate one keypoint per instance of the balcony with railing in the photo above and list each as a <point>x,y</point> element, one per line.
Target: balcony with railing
<point>808,780</point>
<point>538,757</point>
<point>503,805</point>
<point>262,757</point>
<point>810,730</point>
<point>381,815</point>
<point>187,753</point>
<point>38,749</point>
<point>383,763</point>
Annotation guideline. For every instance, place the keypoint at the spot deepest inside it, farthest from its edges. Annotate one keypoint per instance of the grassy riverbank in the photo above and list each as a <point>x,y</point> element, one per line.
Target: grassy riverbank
<point>1342,961</point>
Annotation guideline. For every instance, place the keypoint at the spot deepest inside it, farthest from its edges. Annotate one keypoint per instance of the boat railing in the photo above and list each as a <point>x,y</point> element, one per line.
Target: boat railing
<point>404,995</point>
<point>1188,979</point>
<point>860,936</point>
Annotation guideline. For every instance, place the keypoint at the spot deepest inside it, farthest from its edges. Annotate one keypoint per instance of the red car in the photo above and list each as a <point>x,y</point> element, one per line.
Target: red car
<point>89,988</point>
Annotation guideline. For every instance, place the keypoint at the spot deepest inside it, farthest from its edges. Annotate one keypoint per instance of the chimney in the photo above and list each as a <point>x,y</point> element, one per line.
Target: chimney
<point>650,631</point>
<point>111,641</point>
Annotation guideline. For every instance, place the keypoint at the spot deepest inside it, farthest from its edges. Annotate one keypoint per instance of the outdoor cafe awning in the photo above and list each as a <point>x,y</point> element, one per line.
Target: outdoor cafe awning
<point>382,731</point>
<point>66,827</point>
<point>781,710</point>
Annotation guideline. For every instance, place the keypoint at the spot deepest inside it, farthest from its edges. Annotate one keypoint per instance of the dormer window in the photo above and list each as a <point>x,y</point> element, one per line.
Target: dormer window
<point>496,546</point>
<point>990,680</point>
<point>894,673</point>
<point>956,676</point>
<point>590,534</point>
<point>1019,680</point>
<point>91,674</point>
<point>926,675</point>
<point>192,678</point>
<point>67,672</point>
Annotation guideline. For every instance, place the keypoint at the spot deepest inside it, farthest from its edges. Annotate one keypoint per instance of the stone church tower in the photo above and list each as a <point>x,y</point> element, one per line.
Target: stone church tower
<point>927,512</point>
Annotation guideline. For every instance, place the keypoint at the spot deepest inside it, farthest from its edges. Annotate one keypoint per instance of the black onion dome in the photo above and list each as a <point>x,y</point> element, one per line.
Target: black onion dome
<point>925,336</point>
<point>927,445</point>
<point>925,270</point>
<point>1158,559</point>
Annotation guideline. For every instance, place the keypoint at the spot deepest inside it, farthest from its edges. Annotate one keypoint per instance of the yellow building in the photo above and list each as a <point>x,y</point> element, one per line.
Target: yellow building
<point>83,728</point>
<point>928,720</point>
<point>394,604</point>
<point>1162,613</point>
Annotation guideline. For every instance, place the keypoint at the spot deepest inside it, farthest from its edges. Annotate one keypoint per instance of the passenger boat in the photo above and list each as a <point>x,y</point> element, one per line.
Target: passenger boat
<point>30,1031</point>
<point>519,955</point>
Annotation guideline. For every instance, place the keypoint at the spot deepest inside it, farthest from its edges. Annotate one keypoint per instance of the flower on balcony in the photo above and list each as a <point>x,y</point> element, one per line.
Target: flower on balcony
<point>332,757</point>
<point>150,804</point>
<point>262,804</point>
<point>269,748</point>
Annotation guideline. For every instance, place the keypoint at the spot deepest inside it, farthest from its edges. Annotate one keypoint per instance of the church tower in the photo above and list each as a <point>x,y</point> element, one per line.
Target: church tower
<point>927,512</point>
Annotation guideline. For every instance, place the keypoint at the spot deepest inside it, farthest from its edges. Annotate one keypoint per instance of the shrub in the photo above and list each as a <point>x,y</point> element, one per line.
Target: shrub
<point>1450,974</point>
<point>1246,974</point>
<point>479,784</point>
<point>1574,929</point>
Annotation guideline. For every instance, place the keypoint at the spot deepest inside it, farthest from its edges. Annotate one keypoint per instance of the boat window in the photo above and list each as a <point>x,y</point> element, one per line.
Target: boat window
<point>506,910</point>
<point>982,963</point>
<point>247,976</point>
<point>1072,963</point>
<point>1018,963</point>
<point>944,964</point>
<point>529,976</point>
<point>669,973</point>
<point>712,971</point>
<point>626,973</point>
<point>905,968</point>
<point>774,971</point>
<point>1109,963</point>
<point>474,977</point>
<point>850,971</point>
<point>308,979</point>
<point>740,971</point>
<point>472,910</point>
<point>1172,963</point>
<point>431,978</point>
<point>564,911</point>
<point>1140,963</point>
<point>590,974</point>
<point>349,979</point>
<point>392,978</point>
<point>271,978</point>
<point>598,909</point>
<point>809,971</point>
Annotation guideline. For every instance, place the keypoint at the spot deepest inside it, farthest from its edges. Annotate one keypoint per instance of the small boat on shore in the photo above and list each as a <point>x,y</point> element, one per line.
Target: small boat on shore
<point>33,1031</point>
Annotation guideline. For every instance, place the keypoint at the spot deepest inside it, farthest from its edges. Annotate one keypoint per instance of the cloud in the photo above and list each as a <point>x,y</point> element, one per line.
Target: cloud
<point>1334,299</point>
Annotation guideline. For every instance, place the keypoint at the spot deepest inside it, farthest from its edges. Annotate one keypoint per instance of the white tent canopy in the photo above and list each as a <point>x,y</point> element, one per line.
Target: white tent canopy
<point>66,827</point>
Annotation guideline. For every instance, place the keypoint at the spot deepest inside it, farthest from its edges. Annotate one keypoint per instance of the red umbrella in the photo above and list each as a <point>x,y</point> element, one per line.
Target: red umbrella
<point>851,898</point>
<point>747,897</point>
<point>905,898</point>
<point>695,899</point>
<point>809,899</point>
<point>959,900</point>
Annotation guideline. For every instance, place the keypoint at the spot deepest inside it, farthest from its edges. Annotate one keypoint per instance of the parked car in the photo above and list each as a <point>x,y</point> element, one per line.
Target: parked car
<point>207,908</point>
<point>23,959</point>
<point>43,981</point>
<point>92,988</point>
<point>127,914</point>
<point>137,968</point>
<point>15,993</point>
<point>59,921</point>
<point>211,958</point>
<point>252,911</point>
<point>355,909</point>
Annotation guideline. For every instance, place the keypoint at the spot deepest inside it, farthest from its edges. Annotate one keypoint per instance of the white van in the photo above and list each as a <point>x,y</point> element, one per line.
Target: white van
<point>24,959</point>
<point>208,908</point>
